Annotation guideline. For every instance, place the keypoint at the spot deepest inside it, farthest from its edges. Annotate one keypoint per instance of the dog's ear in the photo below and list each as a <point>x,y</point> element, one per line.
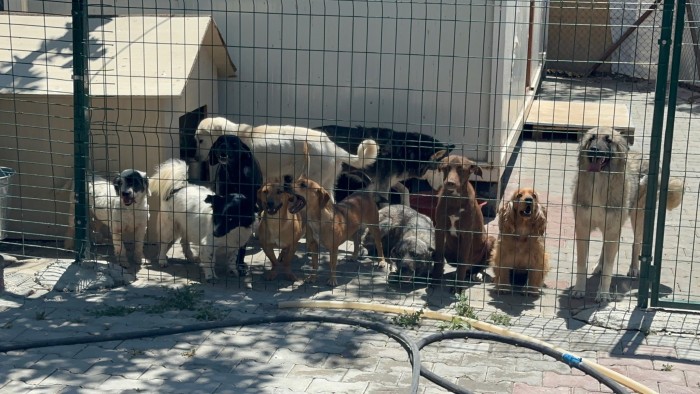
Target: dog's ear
<point>439,155</point>
<point>323,197</point>
<point>476,170</point>
<point>506,218</point>
<point>117,183</point>
<point>145,182</point>
<point>209,199</point>
<point>213,158</point>
<point>540,222</point>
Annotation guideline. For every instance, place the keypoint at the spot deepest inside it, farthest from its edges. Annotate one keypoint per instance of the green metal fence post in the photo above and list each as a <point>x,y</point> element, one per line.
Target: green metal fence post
<point>648,272</point>
<point>668,147</point>
<point>81,119</point>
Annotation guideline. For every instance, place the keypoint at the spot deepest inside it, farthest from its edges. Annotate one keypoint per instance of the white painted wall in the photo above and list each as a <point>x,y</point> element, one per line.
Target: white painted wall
<point>450,70</point>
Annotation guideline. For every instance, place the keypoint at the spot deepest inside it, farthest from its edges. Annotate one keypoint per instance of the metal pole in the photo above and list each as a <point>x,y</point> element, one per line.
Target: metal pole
<point>624,36</point>
<point>668,146</point>
<point>81,119</point>
<point>647,271</point>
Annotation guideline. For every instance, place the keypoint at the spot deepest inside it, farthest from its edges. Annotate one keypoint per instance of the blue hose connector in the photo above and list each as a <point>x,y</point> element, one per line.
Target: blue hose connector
<point>571,359</point>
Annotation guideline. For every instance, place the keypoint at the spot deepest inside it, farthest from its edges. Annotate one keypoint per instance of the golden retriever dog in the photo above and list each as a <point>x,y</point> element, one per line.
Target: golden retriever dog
<point>330,224</point>
<point>611,185</point>
<point>519,258</point>
<point>278,228</point>
<point>459,224</point>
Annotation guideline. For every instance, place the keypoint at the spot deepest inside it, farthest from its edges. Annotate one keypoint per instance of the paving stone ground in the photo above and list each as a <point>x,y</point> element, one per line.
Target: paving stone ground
<point>658,348</point>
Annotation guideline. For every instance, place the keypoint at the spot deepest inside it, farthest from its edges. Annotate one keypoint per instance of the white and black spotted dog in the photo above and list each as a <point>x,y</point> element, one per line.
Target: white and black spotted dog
<point>122,206</point>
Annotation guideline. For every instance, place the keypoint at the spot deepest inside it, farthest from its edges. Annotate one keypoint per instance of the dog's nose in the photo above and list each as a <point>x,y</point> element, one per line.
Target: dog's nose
<point>529,200</point>
<point>126,194</point>
<point>450,184</point>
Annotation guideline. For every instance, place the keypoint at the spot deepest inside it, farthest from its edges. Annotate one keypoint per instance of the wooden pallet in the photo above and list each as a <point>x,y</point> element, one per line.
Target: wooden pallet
<point>577,117</point>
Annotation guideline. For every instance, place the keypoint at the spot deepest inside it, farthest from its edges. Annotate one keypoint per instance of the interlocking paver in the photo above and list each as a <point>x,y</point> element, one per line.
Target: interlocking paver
<point>326,386</point>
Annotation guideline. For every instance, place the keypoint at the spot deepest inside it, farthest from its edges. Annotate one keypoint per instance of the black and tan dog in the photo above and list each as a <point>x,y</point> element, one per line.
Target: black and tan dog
<point>331,224</point>
<point>279,228</point>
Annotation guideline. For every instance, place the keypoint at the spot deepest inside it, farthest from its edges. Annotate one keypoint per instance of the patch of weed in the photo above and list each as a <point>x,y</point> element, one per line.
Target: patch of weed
<point>209,312</point>
<point>407,320</point>
<point>667,367</point>
<point>454,325</point>
<point>189,353</point>
<point>110,311</point>
<point>463,309</point>
<point>500,318</point>
<point>182,298</point>
<point>40,315</point>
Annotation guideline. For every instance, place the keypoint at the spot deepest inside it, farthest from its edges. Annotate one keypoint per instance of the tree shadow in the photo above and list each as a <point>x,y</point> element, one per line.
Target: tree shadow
<point>30,69</point>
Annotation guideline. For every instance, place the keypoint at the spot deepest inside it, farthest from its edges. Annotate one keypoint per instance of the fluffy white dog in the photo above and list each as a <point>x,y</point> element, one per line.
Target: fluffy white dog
<point>280,150</point>
<point>121,205</point>
<point>195,214</point>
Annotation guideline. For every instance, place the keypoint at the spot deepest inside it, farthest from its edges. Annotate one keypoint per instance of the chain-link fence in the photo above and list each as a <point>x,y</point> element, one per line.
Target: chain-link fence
<point>421,79</point>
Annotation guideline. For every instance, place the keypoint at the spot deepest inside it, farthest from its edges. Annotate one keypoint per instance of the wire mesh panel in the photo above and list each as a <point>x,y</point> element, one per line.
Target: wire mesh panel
<point>676,275</point>
<point>210,119</point>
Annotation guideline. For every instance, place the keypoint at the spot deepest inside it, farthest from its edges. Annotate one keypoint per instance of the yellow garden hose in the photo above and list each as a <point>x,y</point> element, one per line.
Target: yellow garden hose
<point>479,325</point>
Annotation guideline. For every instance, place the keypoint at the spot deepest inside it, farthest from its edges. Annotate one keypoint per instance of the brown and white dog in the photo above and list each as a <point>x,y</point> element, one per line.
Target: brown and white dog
<point>330,224</point>
<point>519,257</point>
<point>459,224</point>
<point>279,228</point>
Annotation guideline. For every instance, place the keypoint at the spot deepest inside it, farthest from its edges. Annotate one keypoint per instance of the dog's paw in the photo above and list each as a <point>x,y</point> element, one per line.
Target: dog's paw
<point>578,293</point>
<point>332,282</point>
<point>163,263</point>
<point>633,272</point>
<point>605,297</point>
<point>383,266</point>
<point>598,268</point>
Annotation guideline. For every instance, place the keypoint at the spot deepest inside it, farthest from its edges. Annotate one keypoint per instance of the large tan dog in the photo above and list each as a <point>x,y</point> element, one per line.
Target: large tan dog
<point>519,257</point>
<point>611,185</point>
<point>330,224</point>
<point>279,228</point>
<point>459,223</point>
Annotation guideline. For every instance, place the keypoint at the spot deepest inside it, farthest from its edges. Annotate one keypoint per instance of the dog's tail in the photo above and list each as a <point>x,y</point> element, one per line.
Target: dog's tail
<point>170,176</point>
<point>673,198</point>
<point>675,193</point>
<point>366,154</point>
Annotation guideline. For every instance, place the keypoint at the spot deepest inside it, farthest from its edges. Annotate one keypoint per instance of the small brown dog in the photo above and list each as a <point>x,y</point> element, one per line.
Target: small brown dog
<point>519,257</point>
<point>279,228</point>
<point>331,224</point>
<point>459,223</point>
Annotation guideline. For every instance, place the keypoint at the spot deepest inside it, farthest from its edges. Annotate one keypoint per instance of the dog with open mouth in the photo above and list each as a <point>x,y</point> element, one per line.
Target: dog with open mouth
<point>122,206</point>
<point>610,186</point>
<point>519,257</point>
<point>329,225</point>
<point>279,228</point>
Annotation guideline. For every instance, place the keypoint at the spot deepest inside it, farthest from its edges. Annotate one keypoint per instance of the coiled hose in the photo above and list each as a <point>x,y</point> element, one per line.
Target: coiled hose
<point>479,325</point>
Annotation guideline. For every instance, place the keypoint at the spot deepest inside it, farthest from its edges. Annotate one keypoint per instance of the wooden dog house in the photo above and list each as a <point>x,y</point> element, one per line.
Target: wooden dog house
<point>152,78</point>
